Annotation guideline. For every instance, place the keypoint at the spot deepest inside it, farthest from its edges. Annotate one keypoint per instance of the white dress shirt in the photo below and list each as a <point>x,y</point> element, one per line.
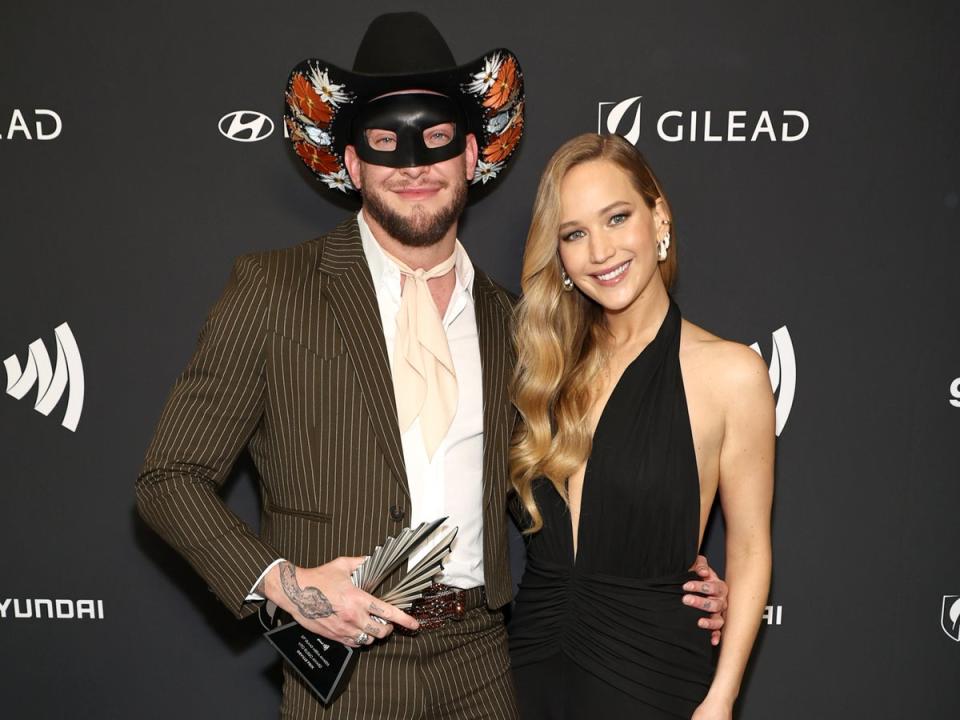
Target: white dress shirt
<point>451,484</point>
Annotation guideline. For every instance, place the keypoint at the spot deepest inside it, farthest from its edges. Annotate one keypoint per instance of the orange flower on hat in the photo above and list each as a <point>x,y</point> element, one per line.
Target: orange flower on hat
<point>506,84</point>
<point>319,160</point>
<point>503,144</point>
<point>306,100</point>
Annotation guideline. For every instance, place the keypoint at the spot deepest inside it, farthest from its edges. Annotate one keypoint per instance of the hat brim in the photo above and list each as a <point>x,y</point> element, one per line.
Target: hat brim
<point>323,99</point>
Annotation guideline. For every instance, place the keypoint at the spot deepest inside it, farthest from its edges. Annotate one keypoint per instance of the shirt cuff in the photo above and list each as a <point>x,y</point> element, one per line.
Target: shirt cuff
<point>253,596</point>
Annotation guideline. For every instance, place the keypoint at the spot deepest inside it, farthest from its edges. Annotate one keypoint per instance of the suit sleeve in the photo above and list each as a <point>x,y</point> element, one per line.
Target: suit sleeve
<point>213,409</point>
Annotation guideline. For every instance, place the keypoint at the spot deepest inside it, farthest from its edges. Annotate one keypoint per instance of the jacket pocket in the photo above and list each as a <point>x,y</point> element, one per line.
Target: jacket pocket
<point>325,343</point>
<point>305,514</point>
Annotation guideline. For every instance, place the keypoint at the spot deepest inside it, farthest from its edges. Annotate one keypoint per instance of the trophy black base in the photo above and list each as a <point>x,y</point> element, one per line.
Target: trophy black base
<point>324,665</point>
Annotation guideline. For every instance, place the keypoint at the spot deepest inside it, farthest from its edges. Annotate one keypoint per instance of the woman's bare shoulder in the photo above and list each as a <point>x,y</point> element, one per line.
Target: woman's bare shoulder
<point>730,368</point>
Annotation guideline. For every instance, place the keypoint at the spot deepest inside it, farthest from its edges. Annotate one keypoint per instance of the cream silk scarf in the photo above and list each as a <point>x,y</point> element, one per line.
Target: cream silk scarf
<point>424,378</point>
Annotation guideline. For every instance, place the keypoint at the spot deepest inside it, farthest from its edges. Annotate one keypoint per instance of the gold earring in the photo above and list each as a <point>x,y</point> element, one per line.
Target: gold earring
<point>567,282</point>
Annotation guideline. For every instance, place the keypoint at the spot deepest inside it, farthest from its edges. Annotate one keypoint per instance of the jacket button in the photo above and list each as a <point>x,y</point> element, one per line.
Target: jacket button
<point>397,512</point>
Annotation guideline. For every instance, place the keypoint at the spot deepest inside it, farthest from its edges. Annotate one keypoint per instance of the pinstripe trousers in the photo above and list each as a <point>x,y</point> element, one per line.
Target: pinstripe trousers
<point>460,670</point>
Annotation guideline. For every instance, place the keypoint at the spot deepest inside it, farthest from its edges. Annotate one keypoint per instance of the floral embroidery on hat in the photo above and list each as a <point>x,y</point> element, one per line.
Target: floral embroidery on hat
<point>505,85</point>
<point>498,88</point>
<point>318,136</point>
<point>483,80</point>
<point>305,102</point>
<point>328,91</point>
<point>338,180</point>
<point>502,145</point>
<point>313,100</point>
<point>497,123</point>
<point>486,171</point>
<point>320,160</point>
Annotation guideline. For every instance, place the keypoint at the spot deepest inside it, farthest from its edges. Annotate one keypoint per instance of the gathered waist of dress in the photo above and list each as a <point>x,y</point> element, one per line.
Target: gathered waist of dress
<point>634,632</point>
<point>539,572</point>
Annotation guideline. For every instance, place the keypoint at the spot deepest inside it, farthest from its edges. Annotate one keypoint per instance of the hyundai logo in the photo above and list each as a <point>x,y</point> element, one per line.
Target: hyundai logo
<point>245,126</point>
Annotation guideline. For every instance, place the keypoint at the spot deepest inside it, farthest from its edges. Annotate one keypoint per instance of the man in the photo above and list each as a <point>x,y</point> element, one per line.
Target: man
<point>366,372</point>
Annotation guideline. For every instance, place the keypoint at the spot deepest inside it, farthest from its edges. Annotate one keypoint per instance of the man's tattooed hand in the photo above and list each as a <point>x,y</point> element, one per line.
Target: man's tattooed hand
<point>311,603</point>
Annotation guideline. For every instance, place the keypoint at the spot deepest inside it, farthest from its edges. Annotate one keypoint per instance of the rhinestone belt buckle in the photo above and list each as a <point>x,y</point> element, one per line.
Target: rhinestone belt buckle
<point>439,604</point>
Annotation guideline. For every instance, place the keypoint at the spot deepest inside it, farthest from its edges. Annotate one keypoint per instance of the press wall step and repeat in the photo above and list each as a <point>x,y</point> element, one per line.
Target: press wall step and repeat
<point>810,152</point>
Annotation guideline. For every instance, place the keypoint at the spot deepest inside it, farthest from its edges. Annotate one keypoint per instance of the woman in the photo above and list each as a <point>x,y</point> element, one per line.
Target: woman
<point>633,420</point>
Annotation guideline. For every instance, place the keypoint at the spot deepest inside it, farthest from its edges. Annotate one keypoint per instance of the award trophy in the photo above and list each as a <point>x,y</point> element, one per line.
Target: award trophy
<point>325,664</point>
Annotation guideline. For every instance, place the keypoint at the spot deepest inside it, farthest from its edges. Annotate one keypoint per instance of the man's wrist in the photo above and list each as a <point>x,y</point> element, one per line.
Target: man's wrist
<point>270,584</point>
<point>257,592</point>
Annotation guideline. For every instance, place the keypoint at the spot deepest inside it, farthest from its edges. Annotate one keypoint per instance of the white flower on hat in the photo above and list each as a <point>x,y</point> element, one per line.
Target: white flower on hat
<point>329,92</point>
<point>338,180</point>
<point>498,122</point>
<point>318,136</point>
<point>483,80</point>
<point>486,171</point>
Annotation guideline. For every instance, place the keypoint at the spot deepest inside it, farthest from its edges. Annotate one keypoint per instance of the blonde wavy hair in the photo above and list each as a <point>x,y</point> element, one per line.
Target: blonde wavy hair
<point>560,336</point>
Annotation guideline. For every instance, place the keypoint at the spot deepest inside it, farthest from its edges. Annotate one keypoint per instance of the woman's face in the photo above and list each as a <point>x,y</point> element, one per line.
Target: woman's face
<point>608,235</point>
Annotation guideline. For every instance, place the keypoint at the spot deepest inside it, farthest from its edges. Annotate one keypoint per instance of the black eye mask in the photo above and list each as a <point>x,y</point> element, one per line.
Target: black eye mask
<point>408,115</point>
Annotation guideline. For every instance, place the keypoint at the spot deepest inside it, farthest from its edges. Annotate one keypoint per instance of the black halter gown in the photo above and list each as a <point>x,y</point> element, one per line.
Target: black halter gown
<point>605,634</point>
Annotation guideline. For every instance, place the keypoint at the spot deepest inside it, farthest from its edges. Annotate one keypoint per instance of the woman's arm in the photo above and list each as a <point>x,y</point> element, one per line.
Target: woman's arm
<point>746,495</point>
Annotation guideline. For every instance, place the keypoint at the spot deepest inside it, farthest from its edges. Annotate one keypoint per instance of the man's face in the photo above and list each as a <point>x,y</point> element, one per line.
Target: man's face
<point>416,205</point>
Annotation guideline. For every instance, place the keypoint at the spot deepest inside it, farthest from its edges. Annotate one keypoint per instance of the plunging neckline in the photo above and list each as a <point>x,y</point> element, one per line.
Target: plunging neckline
<point>576,548</point>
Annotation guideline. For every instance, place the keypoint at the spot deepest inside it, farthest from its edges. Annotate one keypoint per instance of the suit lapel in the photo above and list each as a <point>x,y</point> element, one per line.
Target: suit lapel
<point>495,354</point>
<point>350,292</point>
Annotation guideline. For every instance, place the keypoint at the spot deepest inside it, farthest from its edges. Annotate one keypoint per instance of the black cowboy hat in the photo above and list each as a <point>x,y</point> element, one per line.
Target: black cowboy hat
<point>402,51</point>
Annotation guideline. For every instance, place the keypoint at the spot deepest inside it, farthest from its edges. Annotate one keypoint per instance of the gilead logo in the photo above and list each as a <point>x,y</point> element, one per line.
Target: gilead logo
<point>950,617</point>
<point>783,373</point>
<point>54,609</point>
<point>623,118</point>
<point>36,124</point>
<point>732,126</point>
<point>50,382</point>
<point>615,118</point>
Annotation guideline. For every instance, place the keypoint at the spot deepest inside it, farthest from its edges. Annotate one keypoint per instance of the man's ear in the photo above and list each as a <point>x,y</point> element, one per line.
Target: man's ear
<point>471,152</point>
<point>352,161</point>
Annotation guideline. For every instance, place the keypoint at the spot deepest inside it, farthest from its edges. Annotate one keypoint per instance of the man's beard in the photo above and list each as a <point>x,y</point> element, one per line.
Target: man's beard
<point>422,229</point>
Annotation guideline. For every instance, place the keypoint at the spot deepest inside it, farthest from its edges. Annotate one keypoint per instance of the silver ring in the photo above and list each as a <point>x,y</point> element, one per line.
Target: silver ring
<point>362,638</point>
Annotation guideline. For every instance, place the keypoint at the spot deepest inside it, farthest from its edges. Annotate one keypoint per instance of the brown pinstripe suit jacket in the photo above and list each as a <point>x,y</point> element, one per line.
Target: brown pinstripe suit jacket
<point>292,364</point>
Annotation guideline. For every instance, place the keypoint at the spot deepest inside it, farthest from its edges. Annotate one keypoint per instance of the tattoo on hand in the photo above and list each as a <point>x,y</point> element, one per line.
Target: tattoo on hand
<point>310,602</point>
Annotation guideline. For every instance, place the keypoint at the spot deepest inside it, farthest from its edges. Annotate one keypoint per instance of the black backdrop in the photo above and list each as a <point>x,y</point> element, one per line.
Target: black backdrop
<point>122,206</point>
